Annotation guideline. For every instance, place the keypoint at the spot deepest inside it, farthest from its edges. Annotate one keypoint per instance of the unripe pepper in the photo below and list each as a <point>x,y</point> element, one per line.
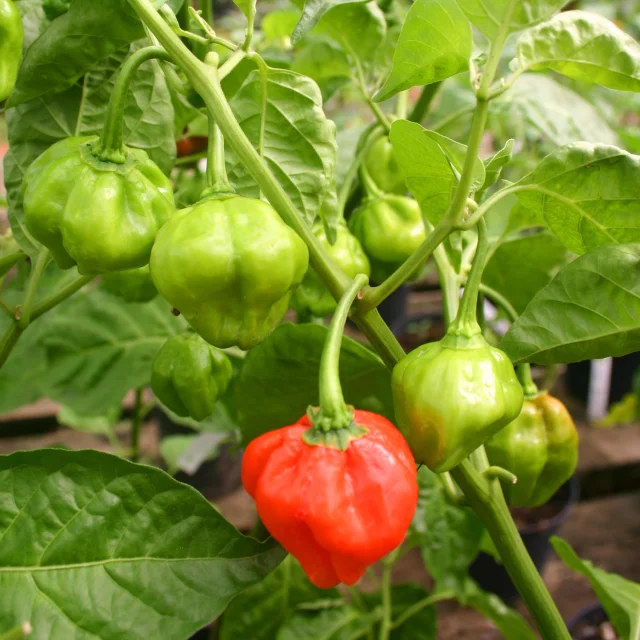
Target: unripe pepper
<point>312,297</point>
<point>383,167</point>
<point>338,489</point>
<point>540,447</point>
<point>229,265</point>
<point>11,39</point>
<point>390,228</point>
<point>451,396</point>
<point>132,285</point>
<point>189,376</point>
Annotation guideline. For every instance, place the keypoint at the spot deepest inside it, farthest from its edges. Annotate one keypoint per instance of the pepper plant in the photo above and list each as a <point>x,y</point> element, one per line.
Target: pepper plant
<point>349,146</point>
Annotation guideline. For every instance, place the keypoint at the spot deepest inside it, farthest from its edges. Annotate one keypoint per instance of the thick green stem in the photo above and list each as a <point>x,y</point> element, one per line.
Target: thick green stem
<point>110,146</point>
<point>37,270</point>
<point>217,181</point>
<point>523,371</point>
<point>10,260</point>
<point>55,299</point>
<point>8,341</point>
<point>371,189</point>
<point>421,107</point>
<point>486,498</point>
<point>402,105</point>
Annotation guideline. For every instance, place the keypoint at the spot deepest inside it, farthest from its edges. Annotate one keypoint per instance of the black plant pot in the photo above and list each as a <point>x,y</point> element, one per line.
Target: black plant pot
<point>215,478</point>
<point>394,309</point>
<point>493,577</point>
<point>593,615</point>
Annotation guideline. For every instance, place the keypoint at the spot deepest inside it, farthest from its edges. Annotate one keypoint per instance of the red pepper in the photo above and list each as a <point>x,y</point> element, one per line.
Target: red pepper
<point>337,511</point>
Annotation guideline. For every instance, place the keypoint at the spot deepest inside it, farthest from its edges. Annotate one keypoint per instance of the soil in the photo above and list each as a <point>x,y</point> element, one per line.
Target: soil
<point>590,631</point>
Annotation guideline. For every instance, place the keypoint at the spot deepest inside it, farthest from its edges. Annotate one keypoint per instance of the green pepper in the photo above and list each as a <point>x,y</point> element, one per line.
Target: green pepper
<point>11,39</point>
<point>540,447</point>
<point>383,168</point>
<point>390,228</point>
<point>451,396</point>
<point>312,297</point>
<point>229,265</point>
<point>132,285</point>
<point>101,215</point>
<point>189,376</point>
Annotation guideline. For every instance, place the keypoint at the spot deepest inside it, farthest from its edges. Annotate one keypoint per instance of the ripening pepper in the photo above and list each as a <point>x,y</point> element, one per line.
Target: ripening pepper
<point>11,39</point>
<point>312,297</point>
<point>101,215</point>
<point>383,167</point>
<point>229,265</point>
<point>132,285</point>
<point>337,511</point>
<point>390,228</point>
<point>189,376</point>
<point>540,447</point>
<point>451,396</point>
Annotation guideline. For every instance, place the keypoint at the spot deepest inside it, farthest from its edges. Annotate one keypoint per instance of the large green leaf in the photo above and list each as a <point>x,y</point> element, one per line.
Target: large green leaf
<point>421,626</point>
<point>540,109</point>
<point>489,15</point>
<point>335,623</point>
<point>449,536</point>
<point>435,43</point>
<point>545,255</point>
<point>619,597</point>
<point>260,611</point>
<point>590,310</point>
<point>305,165</point>
<point>589,195</point>
<point>312,12</point>
<point>33,127</point>
<point>279,379</point>
<point>34,20</point>
<point>99,347</point>
<point>584,46</point>
<point>94,546</point>
<point>426,158</point>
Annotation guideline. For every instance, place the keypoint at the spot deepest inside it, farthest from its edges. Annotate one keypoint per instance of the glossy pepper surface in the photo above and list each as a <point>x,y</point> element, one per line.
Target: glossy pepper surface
<point>337,511</point>
<point>189,375</point>
<point>132,285</point>
<point>312,297</point>
<point>540,447</point>
<point>102,216</point>
<point>229,265</point>
<point>381,163</point>
<point>451,396</point>
<point>390,228</point>
<point>11,39</point>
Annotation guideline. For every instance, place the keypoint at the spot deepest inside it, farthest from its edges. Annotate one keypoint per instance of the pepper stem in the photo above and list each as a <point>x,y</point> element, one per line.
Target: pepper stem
<point>371,188</point>
<point>333,413</point>
<point>110,146</point>
<point>523,371</point>
<point>466,322</point>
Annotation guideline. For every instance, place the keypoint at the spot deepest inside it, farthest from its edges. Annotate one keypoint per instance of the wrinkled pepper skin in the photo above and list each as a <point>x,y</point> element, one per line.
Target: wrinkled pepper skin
<point>383,168</point>
<point>229,265</point>
<point>132,285</point>
<point>336,511</point>
<point>102,216</point>
<point>390,229</point>
<point>312,297</point>
<point>189,376</point>
<point>449,400</point>
<point>540,447</point>
<point>11,39</point>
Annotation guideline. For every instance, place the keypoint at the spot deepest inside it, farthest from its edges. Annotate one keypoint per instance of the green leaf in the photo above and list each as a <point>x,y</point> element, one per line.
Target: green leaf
<point>17,633</point>
<point>248,8</point>
<point>421,626</point>
<point>540,109</point>
<point>496,163</point>
<point>312,12</point>
<point>279,379</point>
<point>435,43</point>
<point>99,347</point>
<point>305,165</point>
<point>489,15</point>
<point>95,546</point>
<point>188,452</point>
<point>589,195</point>
<point>34,20</point>
<point>536,258</point>
<point>426,158</point>
<point>33,127</point>
<point>278,25</point>
<point>101,425</point>
<point>336,623</point>
<point>619,597</point>
<point>510,623</point>
<point>326,64</point>
<point>590,310</point>
<point>584,46</point>
<point>448,535</point>
<point>260,611</point>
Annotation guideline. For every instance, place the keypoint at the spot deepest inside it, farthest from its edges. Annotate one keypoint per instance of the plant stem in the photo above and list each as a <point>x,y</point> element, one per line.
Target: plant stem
<point>8,341</point>
<point>5,308</point>
<point>387,568</point>
<point>110,146</point>
<point>402,105</point>
<point>37,269</point>
<point>217,181</point>
<point>256,58</point>
<point>500,300</point>
<point>10,260</point>
<point>487,500</point>
<point>419,606</point>
<point>421,107</point>
<point>136,423</point>
<point>523,371</point>
<point>52,301</point>
<point>206,6</point>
